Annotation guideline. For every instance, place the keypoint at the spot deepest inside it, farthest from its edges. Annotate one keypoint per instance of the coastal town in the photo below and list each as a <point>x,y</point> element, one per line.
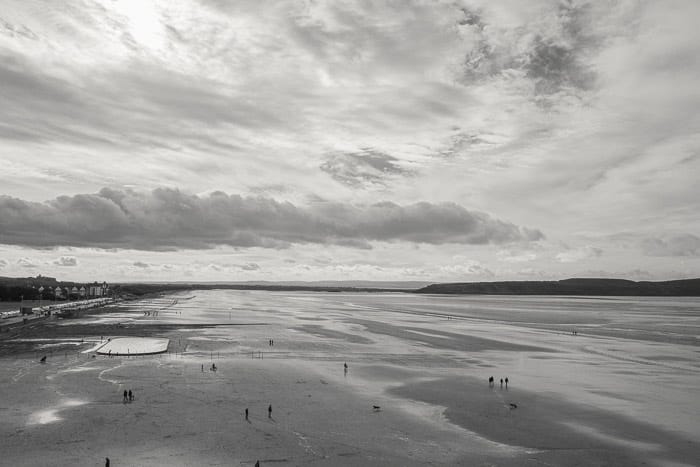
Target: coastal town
<point>44,296</point>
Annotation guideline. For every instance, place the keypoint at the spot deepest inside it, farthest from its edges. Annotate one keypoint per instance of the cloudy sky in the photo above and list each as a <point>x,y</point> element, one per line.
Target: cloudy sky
<point>380,140</point>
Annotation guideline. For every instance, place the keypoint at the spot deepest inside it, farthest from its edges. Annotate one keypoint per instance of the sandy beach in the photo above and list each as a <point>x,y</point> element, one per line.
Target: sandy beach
<point>427,374</point>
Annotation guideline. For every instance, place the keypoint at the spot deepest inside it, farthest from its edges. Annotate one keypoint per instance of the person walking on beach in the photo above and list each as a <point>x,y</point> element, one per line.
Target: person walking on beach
<point>106,461</point>
<point>506,382</point>
<point>131,395</point>
<point>257,463</point>
<point>202,367</point>
<point>125,395</point>
<point>246,413</point>
<point>490,381</point>
<point>501,383</point>
<point>269,411</point>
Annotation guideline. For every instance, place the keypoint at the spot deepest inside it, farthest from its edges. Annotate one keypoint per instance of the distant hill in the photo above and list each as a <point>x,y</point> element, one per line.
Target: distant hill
<point>685,287</point>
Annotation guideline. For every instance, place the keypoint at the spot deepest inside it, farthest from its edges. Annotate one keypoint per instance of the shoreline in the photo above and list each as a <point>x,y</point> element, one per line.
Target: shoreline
<point>420,371</point>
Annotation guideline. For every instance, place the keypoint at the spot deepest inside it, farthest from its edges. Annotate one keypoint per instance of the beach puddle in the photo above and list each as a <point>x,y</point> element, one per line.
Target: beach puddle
<point>43,417</point>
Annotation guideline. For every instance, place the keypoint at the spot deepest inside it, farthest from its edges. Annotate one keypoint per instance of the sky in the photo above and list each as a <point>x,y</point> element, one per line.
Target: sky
<point>462,140</point>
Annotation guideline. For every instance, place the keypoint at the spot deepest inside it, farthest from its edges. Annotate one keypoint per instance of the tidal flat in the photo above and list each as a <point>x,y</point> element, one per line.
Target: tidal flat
<point>591,381</point>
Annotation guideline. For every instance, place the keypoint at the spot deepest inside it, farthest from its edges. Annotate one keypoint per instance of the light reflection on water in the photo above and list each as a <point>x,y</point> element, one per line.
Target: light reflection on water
<point>634,356</point>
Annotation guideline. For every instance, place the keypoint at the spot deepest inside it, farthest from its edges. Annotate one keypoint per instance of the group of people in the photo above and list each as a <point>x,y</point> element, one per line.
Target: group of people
<point>270,342</point>
<point>492,382</point>
<point>128,396</point>
<point>269,412</point>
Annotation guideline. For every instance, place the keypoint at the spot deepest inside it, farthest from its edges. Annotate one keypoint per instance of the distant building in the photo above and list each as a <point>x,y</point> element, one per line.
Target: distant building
<point>58,292</point>
<point>94,290</point>
<point>98,290</point>
<point>82,291</point>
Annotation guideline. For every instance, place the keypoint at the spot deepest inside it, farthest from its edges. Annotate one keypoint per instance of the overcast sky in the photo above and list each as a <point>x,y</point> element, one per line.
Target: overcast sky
<point>309,140</point>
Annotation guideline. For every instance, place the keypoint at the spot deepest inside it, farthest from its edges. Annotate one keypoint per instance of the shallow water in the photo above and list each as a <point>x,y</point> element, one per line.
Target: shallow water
<point>637,357</point>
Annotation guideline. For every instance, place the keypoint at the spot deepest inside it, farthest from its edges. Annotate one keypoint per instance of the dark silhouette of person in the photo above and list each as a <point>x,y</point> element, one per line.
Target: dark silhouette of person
<point>501,383</point>
<point>269,411</point>
<point>126,395</point>
<point>202,367</point>
<point>490,381</point>
<point>506,382</point>
<point>131,395</point>
<point>246,414</point>
<point>257,463</point>
<point>106,461</point>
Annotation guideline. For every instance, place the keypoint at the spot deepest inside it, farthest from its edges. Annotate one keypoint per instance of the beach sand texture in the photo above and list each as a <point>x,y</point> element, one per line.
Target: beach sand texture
<point>622,392</point>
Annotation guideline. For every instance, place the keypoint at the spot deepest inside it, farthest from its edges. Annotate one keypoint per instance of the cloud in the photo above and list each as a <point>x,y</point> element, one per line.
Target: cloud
<point>68,261</point>
<point>250,267</point>
<point>578,254</point>
<point>170,219</point>
<point>558,62</point>
<point>141,264</point>
<point>552,51</point>
<point>677,245</point>
<point>473,269</point>
<point>511,256</point>
<point>364,168</point>
<point>534,273</point>
<point>538,113</point>
<point>26,263</point>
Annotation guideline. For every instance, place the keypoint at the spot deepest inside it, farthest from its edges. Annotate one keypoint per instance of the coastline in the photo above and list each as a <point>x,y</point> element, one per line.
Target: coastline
<point>425,374</point>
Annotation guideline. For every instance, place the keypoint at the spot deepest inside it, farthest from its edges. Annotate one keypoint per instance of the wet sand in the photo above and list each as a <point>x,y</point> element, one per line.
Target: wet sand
<point>428,375</point>
<point>72,413</point>
<point>557,431</point>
